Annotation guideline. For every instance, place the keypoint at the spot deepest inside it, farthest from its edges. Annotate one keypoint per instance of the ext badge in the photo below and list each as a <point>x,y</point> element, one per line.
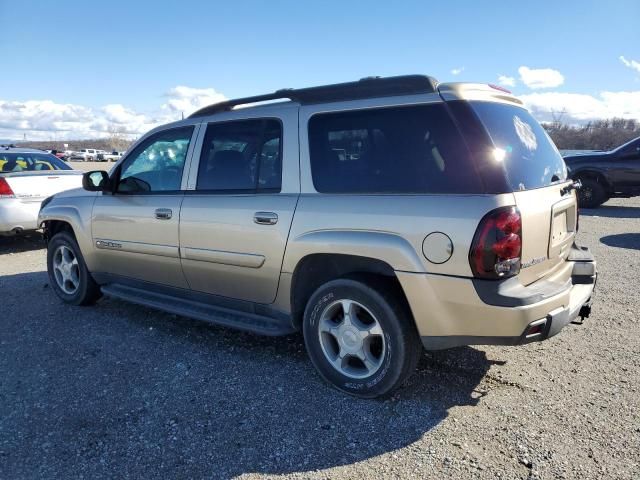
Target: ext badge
<point>532,262</point>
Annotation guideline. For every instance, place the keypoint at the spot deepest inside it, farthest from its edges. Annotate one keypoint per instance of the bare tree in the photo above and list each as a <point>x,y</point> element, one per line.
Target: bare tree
<point>596,135</point>
<point>118,139</point>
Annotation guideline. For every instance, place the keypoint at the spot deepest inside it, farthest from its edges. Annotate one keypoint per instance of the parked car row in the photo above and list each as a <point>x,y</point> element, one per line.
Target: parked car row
<point>341,221</point>
<point>87,155</point>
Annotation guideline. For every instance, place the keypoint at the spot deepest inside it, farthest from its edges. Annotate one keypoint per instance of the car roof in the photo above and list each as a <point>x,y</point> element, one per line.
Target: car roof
<point>368,87</point>
<point>7,148</point>
<point>365,88</point>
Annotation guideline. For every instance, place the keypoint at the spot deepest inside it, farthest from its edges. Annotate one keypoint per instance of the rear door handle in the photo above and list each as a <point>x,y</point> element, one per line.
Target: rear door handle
<point>265,218</point>
<point>164,213</point>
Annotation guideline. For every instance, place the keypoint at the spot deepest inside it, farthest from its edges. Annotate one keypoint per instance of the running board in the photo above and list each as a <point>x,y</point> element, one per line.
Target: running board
<point>225,317</point>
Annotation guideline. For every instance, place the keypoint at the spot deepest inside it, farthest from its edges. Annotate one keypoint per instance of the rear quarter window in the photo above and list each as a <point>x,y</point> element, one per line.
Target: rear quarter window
<point>414,149</point>
<point>529,158</point>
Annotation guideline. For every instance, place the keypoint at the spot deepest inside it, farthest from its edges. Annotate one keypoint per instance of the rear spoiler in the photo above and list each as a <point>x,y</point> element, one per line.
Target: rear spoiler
<point>477,91</point>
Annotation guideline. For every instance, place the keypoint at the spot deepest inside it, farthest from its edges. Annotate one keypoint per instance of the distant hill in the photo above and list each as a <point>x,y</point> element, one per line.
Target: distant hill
<point>108,144</point>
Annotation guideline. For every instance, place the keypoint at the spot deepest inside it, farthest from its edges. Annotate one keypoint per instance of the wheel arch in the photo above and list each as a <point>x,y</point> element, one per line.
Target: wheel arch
<point>316,269</point>
<point>52,227</point>
<point>77,221</point>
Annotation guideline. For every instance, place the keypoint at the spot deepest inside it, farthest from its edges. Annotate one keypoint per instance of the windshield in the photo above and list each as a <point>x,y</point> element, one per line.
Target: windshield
<point>529,157</point>
<point>631,146</point>
<point>30,162</point>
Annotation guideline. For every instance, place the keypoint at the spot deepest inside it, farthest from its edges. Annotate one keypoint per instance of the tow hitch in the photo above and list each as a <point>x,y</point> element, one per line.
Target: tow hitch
<point>584,312</point>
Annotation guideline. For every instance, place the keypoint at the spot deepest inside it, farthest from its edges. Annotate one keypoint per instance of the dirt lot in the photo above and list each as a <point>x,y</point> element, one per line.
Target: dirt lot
<point>88,166</point>
<point>118,390</point>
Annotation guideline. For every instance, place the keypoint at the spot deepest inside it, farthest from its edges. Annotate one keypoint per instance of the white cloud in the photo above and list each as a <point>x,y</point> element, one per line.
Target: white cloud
<point>506,81</point>
<point>630,63</point>
<point>187,99</point>
<point>536,78</point>
<point>579,108</point>
<point>46,119</point>
<point>457,71</point>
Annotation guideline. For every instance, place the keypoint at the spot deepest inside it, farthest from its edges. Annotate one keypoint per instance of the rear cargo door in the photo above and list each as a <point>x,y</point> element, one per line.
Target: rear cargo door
<point>548,229</point>
<point>536,173</point>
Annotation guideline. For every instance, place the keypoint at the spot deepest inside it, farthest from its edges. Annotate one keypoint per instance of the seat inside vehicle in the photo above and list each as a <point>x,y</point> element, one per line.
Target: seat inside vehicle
<point>227,169</point>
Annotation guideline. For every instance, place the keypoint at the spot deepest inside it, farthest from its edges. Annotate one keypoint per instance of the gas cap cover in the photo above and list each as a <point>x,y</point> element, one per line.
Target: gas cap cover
<point>437,247</point>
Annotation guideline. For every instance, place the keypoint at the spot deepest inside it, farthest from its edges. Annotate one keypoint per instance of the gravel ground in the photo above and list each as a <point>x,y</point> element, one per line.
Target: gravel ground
<point>118,390</point>
<point>88,166</point>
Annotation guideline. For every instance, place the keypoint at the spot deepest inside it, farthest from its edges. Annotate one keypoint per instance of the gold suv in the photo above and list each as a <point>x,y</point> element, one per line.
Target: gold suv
<point>377,216</point>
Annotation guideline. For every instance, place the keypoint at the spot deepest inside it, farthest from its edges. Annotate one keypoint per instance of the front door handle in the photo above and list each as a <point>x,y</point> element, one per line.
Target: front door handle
<point>164,213</point>
<point>265,218</point>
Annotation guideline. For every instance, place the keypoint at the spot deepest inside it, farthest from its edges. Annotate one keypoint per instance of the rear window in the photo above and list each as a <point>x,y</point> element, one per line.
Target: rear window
<point>241,157</point>
<point>414,149</point>
<point>529,157</point>
<point>19,162</point>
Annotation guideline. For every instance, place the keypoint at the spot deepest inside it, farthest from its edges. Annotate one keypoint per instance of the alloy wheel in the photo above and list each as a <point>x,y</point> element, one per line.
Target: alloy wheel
<point>66,270</point>
<point>351,338</point>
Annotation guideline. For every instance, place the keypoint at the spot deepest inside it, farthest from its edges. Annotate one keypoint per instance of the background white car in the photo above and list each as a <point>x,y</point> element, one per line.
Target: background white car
<point>85,154</point>
<point>27,177</point>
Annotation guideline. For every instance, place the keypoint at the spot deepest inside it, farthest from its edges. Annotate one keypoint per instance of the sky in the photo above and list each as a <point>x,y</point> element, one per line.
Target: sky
<point>78,69</point>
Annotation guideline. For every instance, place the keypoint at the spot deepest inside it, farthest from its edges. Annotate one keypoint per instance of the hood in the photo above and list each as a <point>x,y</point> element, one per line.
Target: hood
<point>76,192</point>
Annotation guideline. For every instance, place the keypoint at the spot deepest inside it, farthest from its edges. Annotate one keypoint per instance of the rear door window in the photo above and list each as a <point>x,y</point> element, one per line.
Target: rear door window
<point>241,157</point>
<point>415,149</point>
<point>529,157</point>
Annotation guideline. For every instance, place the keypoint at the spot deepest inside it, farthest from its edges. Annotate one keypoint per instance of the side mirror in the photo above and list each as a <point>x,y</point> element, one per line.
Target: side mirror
<point>95,181</point>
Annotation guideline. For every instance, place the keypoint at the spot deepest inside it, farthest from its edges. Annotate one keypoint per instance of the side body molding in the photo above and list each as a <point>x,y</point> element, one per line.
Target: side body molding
<point>385,246</point>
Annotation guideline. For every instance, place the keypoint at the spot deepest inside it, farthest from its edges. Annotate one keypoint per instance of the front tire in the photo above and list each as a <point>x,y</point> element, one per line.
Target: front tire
<point>592,194</point>
<point>68,274</point>
<point>362,340</point>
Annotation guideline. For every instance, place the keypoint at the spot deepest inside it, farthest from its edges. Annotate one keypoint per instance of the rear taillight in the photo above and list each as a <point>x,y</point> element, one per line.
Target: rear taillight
<point>5,189</point>
<point>497,244</point>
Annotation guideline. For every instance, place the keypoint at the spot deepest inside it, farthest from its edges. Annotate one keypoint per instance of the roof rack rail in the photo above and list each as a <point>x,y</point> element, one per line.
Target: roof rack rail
<point>367,87</point>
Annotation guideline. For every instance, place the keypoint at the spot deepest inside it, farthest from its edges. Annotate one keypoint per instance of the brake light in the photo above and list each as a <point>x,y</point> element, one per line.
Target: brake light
<point>498,87</point>
<point>497,244</point>
<point>5,189</point>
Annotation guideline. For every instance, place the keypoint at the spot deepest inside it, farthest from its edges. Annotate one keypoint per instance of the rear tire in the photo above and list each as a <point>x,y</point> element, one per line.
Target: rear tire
<point>592,194</point>
<point>368,352</point>
<point>68,274</point>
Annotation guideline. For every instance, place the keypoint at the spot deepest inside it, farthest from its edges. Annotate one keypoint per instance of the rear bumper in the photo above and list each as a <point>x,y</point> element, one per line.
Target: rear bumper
<point>452,311</point>
<point>17,216</point>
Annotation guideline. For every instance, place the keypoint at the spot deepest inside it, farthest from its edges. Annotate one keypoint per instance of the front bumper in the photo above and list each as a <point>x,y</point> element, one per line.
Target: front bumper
<point>453,311</point>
